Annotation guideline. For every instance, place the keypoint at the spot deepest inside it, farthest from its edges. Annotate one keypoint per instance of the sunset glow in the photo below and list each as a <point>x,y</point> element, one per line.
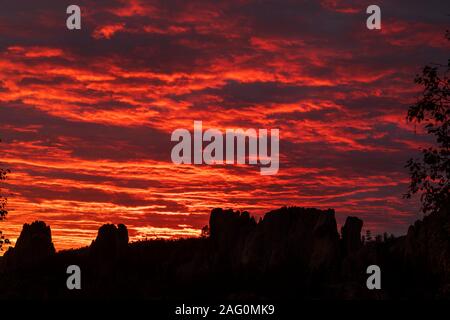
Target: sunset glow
<point>86,116</point>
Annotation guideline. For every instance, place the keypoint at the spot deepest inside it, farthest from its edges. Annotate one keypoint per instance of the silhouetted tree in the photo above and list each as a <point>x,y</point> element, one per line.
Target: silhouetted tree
<point>3,211</point>
<point>430,175</point>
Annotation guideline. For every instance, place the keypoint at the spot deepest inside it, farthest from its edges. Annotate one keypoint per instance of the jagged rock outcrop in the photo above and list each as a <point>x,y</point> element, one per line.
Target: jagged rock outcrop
<point>290,253</point>
<point>228,233</point>
<point>307,237</point>
<point>107,258</point>
<point>351,235</point>
<point>427,249</point>
<point>33,246</point>
<point>355,258</point>
<point>325,243</point>
<point>111,242</point>
<point>227,226</point>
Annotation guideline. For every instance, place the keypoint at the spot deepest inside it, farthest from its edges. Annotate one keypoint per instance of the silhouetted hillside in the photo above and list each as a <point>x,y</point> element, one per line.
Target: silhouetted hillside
<point>293,253</point>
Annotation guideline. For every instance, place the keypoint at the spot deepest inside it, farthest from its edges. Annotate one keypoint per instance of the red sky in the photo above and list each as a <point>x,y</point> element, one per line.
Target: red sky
<point>86,116</point>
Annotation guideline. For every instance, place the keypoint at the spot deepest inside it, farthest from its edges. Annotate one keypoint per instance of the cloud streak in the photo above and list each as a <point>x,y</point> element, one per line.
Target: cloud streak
<point>87,115</point>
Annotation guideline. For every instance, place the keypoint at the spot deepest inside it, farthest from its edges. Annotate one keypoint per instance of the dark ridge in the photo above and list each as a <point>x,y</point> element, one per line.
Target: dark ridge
<point>292,253</point>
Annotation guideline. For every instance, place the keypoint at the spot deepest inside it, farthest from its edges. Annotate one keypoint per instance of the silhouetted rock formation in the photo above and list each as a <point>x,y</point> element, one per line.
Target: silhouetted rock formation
<point>427,250</point>
<point>306,236</point>
<point>33,246</point>
<point>351,235</point>
<point>229,225</point>
<point>111,242</point>
<point>228,233</point>
<point>107,256</point>
<point>291,253</point>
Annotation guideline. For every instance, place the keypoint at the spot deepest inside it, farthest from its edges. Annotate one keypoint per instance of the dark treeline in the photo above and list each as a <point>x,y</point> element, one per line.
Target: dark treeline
<point>292,253</point>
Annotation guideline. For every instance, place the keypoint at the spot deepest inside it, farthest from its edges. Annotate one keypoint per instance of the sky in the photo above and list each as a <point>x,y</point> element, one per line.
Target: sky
<point>86,115</point>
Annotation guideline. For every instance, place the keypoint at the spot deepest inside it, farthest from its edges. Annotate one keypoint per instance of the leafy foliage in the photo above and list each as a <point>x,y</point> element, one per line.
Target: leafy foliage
<point>3,200</point>
<point>430,175</point>
<point>3,211</point>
